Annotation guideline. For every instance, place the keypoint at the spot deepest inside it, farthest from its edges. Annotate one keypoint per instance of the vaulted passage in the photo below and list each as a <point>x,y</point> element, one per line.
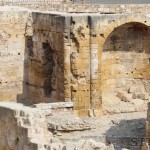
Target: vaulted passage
<point>126,63</point>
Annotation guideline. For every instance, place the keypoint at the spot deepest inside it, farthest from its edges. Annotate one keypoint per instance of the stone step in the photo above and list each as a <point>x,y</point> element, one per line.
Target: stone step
<point>28,122</point>
<point>45,106</point>
<point>30,113</point>
<point>127,97</point>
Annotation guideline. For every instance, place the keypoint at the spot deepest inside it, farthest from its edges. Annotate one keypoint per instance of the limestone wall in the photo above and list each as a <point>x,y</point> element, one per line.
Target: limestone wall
<point>12,52</point>
<point>99,60</point>
<point>125,61</point>
<point>45,65</point>
<point>16,127</point>
<point>101,8</point>
<point>77,70</point>
<point>32,56</point>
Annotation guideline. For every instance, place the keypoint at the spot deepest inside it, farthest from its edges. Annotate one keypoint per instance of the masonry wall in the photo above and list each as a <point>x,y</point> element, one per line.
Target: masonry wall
<point>46,56</point>
<point>105,54</point>
<point>79,75</point>
<point>32,57</point>
<point>54,57</point>
<point>12,53</point>
<point>125,62</point>
<point>124,59</point>
<point>94,8</point>
<point>23,128</point>
<point>12,135</point>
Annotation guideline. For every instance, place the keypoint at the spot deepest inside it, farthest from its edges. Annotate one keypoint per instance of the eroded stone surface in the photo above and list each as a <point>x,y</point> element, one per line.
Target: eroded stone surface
<point>66,122</point>
<point>30,125</point>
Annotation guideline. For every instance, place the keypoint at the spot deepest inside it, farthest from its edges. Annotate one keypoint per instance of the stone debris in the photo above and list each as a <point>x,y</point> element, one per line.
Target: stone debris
<point>134,92</point>
<point>33,126</point>
<point>66,122</point>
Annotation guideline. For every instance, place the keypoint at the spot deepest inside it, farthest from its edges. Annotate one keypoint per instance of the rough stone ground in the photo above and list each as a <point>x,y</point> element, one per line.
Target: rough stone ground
<point>107,129</point>
<point>117,129</point>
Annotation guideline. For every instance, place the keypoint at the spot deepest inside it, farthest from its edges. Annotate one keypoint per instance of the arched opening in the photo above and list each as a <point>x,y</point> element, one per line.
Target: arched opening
<point>125,70</point>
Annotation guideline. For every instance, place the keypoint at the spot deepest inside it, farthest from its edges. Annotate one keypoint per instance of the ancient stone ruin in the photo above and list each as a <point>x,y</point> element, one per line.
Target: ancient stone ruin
<point>74,81</point>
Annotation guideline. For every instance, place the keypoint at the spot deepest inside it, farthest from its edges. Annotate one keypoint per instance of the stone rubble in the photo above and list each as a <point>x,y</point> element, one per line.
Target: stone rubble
<point>29,130</point>
<point>66,122</point>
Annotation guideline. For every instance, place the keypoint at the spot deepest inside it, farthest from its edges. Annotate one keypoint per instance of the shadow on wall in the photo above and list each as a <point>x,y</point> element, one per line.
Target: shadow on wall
<point>126,61</point>
<point>127,134</point>
<point>37,73</point>
<point>130,37</point>
<point>43,62</point>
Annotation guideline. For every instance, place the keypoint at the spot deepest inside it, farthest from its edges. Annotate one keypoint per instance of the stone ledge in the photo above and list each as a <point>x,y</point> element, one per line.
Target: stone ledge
<point>53,105</point>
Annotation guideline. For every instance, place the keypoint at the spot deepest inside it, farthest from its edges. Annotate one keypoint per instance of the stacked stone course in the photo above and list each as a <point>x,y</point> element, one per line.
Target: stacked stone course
<point>12,41</point>
<point>84,8</point>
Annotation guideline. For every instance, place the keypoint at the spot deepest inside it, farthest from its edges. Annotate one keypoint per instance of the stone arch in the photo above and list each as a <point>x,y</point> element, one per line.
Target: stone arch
<point>137,19</point>
<point>123,20</point>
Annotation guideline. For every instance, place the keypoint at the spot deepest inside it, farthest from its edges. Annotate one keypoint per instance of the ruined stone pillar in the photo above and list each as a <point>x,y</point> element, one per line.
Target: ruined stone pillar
<point>95,59</point>
<point>67,53</point>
